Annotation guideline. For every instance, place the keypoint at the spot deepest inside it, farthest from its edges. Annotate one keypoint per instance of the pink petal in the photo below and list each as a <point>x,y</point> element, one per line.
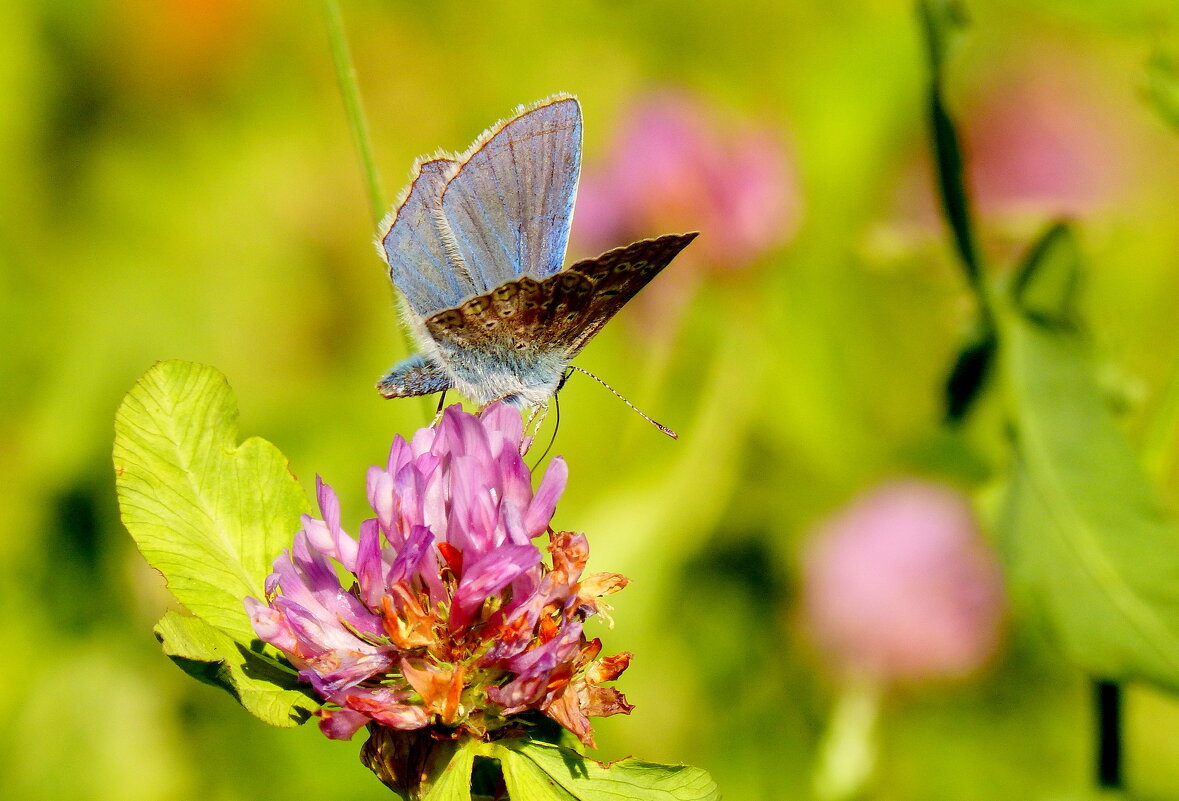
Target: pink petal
<point>270,625</point>
<point>488,575</point>
<point>341,724</point>
<point>544,503</point>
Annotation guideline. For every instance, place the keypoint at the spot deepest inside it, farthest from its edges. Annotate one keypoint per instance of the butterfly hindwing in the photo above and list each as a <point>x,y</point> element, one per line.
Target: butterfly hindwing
<point>505,318</point>
<point>509,202</point>
<point>616,276</point>
<point>561,313</point>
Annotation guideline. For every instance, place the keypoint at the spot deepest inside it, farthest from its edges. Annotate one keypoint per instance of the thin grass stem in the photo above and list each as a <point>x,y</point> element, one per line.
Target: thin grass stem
<point>350,93</point>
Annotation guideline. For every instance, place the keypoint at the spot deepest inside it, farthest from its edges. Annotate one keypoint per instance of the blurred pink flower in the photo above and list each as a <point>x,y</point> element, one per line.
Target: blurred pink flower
<point>900,585</point>
<point>1044,142</point>
<point>670,169</point>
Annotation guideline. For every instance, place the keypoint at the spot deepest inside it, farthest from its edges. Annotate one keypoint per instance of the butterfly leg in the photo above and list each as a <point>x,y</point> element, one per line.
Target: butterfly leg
<point>536,419</point>
<point>438,411</point>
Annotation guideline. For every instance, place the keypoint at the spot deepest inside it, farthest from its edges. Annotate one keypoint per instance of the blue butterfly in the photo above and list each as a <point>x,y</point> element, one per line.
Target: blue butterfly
<point>476,246</point>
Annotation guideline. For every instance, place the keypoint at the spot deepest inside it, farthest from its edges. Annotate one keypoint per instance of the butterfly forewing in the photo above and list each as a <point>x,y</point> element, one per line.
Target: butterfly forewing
<point>415,248</point>
<point>509,204</point>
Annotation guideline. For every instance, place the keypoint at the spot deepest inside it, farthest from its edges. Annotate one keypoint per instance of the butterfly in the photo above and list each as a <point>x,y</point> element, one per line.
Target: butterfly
<point>476,246</point>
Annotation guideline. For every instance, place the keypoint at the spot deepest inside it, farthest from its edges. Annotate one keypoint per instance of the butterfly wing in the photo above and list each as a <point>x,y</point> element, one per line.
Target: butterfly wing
<point>617,276</point>
<point>509,202</point>
<point>561,313</point>
<point>421,265</point>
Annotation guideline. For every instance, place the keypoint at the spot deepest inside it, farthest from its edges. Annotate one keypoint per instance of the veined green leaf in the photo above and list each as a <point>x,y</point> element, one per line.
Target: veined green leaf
<point>454,782</point>
<point>270,691</point>
<point>1086,536</point>
<point>211,515</point>
<point>540,772</point>
<point>537,771</point>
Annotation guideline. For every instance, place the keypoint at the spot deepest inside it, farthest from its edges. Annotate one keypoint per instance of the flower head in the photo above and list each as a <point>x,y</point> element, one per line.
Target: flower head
<point>900,585</point>
<point>448,615</point>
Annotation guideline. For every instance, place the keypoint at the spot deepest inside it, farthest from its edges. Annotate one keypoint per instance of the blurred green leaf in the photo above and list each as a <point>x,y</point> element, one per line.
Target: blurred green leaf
<point>268,690</point>
<point>1087,539</point>
<point>1046,282</point>
<point>540,772</point>
<point>1158,447</point>
<point>209,514</point>
<point>1162,83</point>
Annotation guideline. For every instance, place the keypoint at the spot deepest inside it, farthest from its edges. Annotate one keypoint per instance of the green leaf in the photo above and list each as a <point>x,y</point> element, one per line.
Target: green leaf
<point>1162,83</point>
<point>454,783</point>
<point>1086,537</point>
<point>1046,282</point>
<point>209,514</point>
<point>266,688</point>
<point>527,781</point>
<point>541,772</point>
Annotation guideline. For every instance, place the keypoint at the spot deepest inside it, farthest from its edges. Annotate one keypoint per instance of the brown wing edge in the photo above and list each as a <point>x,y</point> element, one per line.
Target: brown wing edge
<point>640,261</point>
<point>614,288</point>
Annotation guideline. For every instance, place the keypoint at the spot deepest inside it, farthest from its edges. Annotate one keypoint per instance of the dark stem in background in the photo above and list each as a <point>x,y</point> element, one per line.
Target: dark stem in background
<point>952,185</point>
<point>942,21</point>
<point>1107,702</point>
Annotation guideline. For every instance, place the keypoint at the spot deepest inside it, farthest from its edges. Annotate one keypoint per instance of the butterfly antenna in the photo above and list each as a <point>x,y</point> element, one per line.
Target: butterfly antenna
<point>634,408</point>
<point>556,428</point>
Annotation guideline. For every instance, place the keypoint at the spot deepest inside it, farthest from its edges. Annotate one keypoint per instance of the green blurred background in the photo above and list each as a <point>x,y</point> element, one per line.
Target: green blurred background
<point>178,181</point>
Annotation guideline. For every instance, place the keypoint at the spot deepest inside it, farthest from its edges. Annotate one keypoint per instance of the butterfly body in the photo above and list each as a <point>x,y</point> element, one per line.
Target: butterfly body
<point>476,247</point>
<point>493,373</point>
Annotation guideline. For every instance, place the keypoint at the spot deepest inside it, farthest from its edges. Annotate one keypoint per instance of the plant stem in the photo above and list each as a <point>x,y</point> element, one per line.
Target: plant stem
<point>941,21</point>
<point>847,752</point>
<point>1107,702</point>
<point>350,93</point>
